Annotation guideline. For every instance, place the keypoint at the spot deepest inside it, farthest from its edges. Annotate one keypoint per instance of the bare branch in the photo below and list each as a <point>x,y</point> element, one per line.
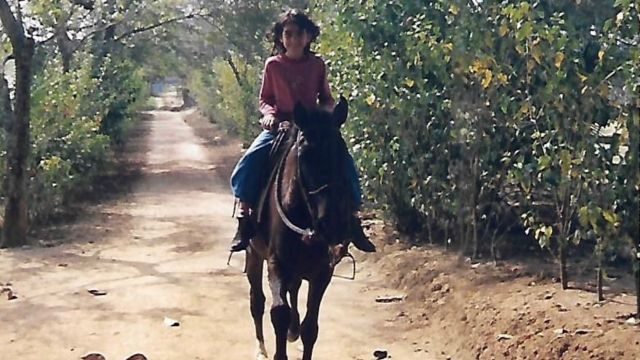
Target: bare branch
<point>6,60</point>
<point>628,42</point>
<point>13,28</point>
<point>87,4</point>
<point>156,25</point>
<point>5,100</point>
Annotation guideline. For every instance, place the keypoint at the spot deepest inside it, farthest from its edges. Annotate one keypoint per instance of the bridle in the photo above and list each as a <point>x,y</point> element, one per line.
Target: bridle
<point>307,233</point>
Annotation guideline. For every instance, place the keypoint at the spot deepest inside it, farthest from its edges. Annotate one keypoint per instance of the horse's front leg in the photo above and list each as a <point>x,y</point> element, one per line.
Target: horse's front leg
<point>255,265</point>
<point>294,324</point>
<point>280,311</point>
<point>309,328</point>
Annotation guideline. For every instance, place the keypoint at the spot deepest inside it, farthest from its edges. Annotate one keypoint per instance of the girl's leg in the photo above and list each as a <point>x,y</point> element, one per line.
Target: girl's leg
<point>354,181</point>
<point>246,183</point>
<point>246,177</point>
<point>358,237</point>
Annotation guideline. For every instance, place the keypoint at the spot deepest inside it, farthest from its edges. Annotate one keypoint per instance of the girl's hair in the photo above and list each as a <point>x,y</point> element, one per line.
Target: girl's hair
<point>296,17</point>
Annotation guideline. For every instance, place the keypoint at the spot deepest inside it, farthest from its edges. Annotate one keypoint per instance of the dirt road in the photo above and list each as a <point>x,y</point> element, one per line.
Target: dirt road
<point>160,251</point>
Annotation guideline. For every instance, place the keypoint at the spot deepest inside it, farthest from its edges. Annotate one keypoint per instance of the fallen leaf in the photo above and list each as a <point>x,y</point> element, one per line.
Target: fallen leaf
<point>10,294</point>
<point>96,292</point>
<point>380,354</point>
<point>561,307</point>
<point>93,356</point>
<point>583,331</point>
<point>168,322</point>
<point>137,357</point>
<point>390,299</point>
<point>560,331</point>
<point>504,337</point>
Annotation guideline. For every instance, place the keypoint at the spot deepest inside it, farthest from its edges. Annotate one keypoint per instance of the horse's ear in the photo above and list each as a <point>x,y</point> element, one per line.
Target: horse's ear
<point>300,115</point>
<point>341,111</point>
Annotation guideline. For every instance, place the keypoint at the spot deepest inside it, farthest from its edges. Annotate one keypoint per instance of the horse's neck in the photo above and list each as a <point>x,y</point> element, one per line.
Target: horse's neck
<point>293,200</point>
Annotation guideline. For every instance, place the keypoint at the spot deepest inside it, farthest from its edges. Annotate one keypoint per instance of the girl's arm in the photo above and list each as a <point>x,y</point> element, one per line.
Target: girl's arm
<point>267,94</point>
<point>325,99</point>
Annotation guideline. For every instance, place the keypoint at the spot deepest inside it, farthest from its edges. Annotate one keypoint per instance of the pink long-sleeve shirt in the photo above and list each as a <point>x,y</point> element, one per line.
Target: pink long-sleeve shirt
<point>286,81</point>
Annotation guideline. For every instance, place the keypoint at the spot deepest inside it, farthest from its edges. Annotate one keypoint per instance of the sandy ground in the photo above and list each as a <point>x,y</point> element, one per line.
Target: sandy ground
<point>160,251</point>
<point>157,248</point>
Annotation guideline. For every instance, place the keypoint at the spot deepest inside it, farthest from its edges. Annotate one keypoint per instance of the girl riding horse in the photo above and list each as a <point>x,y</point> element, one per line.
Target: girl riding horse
<point>293,75</point>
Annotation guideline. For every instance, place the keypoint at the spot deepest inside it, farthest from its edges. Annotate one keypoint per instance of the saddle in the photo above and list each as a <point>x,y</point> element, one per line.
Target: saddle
<point>278,151</point>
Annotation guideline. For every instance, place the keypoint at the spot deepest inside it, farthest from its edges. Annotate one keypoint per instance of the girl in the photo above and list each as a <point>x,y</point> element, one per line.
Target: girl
<point>293,74</point>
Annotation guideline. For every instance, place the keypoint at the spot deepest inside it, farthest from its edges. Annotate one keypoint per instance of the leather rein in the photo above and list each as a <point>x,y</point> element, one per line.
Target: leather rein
<point>308,233</point>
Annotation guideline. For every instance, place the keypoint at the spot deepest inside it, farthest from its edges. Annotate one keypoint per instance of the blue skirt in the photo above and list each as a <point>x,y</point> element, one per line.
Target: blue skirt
<point>249,174</point>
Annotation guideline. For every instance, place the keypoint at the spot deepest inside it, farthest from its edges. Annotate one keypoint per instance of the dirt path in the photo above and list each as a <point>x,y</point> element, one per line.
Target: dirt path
<point>160,251</point>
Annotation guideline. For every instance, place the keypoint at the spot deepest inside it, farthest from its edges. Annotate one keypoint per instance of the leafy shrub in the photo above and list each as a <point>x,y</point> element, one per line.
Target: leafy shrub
<point>228,99</point>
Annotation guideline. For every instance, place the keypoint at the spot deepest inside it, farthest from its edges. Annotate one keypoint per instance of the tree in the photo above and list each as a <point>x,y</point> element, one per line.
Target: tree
<point>109,25</point>
<point>17,114</point>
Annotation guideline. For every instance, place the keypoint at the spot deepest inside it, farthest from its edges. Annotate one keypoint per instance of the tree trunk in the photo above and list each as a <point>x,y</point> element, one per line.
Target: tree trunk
<point>474,208</point>
<point>494,247</point>
<point>637,265</point>
<point>6,110</point>
<point>446,235</point>
<point>234,68</point>
<point>638,285</point>
<point>563,267</point>
<point>17,132</point>
<point>17,142</point>
<point>599,282</point>
<point>634,151</point>
<point>64,46</point>
<point>103,41</point>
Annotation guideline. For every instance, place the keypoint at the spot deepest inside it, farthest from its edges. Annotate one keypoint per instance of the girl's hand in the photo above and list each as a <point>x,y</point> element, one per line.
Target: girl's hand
<point>268,122</point>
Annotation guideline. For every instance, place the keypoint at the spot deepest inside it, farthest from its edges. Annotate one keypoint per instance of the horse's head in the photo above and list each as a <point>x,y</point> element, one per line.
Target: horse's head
<point>322,155</point>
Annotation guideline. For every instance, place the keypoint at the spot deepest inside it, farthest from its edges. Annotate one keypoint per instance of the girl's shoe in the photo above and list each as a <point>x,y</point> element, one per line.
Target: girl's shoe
<point>358,238</point>
<point>246,230</point>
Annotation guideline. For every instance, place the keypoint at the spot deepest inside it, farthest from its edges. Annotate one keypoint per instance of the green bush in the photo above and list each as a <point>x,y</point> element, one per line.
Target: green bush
<point>123,91</point>
<point>76,120</point>
<point>465,118</point>
<point>230,101</point>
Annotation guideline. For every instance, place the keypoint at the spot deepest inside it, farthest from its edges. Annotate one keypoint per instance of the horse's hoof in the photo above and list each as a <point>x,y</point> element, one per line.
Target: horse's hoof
<point>261,354</point>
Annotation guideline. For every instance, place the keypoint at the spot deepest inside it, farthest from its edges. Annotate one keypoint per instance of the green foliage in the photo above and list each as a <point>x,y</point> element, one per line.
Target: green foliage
<point>230,101</point>
<point>123,91</point>
<point>75,121</point>
<point>466,118</point>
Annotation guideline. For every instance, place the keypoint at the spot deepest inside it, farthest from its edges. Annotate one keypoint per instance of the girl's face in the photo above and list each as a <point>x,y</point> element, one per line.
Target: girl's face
<point>295,40</point>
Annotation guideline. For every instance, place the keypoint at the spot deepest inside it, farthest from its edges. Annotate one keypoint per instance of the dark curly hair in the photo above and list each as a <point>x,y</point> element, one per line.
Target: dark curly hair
<point>296,17</point>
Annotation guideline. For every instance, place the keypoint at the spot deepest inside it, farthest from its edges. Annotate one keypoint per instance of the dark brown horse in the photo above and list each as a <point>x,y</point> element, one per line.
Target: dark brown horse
<point>303,233</point>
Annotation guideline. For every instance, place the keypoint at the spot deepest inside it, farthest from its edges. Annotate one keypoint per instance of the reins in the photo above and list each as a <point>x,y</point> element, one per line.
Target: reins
<point>308,232</point>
